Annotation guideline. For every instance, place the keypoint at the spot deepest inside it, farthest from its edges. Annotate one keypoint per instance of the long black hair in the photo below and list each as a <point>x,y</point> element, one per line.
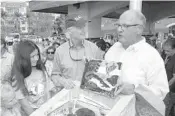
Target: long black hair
<point>22,67</point>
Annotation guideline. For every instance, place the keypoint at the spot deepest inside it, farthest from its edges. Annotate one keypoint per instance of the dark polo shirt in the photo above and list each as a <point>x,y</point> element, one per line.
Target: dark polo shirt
<point>170,70</point>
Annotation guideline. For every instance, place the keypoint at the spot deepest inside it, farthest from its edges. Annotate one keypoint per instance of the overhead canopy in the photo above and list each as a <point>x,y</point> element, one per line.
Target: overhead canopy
<point>170,25</point>
<point>61,7</point>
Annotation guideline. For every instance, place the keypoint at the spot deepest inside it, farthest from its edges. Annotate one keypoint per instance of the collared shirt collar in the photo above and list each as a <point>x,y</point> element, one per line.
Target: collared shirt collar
<point>137,45</point>
<point>72,45</point>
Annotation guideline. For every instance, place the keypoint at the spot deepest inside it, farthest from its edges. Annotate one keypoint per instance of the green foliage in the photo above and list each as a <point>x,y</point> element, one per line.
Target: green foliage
<point>58,25</point>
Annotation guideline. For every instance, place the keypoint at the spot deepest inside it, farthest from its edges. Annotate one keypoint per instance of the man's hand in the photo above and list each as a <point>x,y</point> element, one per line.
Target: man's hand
<point>68,83</point>
<point>128,89</point>
<point>87,59</point>
<point>172,80</point>
<point>125,88</point>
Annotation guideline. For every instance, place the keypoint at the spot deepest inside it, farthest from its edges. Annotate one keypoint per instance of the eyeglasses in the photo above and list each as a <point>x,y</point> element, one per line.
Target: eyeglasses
<point>124,26</point>
<point>76,57</point>
<point>50,52</point>
<point>9,43</point>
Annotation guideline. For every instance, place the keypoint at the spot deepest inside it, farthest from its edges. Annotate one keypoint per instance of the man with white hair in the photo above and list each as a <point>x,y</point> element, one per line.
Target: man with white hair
<point>69,61</point>
<point>141,63</point>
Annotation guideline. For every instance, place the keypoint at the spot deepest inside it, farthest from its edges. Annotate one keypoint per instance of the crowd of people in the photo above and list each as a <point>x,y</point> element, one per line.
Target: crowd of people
<point>35,72</point>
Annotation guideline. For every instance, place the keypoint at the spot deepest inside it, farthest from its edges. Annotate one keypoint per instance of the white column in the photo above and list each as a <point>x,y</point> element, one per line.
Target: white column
<point>136,5</point>
<point>93,28</point>
<point>150,28</point>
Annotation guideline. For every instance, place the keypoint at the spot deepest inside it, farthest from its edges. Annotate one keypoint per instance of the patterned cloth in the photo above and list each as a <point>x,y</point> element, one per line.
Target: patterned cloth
<point>15,111</point>
<point>38,88</point>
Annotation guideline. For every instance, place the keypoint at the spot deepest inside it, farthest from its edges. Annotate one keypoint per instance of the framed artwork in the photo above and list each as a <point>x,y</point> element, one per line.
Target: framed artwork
<point>101,77</point>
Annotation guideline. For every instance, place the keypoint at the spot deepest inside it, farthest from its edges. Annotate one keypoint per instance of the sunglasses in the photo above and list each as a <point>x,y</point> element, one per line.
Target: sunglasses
<point>74,56</point>
<point>50,52</point>
<point>9,43</point>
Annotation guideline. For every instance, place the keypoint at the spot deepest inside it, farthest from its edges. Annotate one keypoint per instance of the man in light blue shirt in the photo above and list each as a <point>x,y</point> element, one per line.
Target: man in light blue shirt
<point>69,61</point>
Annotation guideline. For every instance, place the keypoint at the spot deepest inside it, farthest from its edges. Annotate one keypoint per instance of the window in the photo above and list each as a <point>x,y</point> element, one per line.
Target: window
<point>23,22</point>
<point>23,28</point>
<point>10,22</point>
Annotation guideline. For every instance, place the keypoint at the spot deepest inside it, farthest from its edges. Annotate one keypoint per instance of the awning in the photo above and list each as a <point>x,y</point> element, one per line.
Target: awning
<point>60,7</point>
<point>170,25</point>
<point>164,30</point>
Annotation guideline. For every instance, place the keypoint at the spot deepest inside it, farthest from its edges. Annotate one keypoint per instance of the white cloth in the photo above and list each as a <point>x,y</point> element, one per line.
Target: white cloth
<point>114,52</point>
<point>142,64</point>
<point>14,111</point>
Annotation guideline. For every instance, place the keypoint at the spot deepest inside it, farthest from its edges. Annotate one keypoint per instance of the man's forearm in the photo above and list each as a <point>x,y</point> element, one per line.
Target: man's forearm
<point>172,80</point>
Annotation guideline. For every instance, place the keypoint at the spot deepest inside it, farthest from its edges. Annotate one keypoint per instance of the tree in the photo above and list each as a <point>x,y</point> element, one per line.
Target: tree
<point>17,17</point>
<point>3,14</point>
<point>3,20</point>
<point>30,29</point>
<point>58,25</point>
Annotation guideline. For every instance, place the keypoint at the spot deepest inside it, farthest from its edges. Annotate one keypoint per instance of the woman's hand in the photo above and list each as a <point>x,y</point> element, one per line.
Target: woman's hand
<point>26,106</point>
<point>68,83</point>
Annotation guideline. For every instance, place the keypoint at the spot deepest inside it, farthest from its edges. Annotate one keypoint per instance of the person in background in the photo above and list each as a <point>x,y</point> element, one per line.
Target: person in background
<point>56,45</point>
<point>108,45</point>
<point>62,41</point>
<point>169,50</point>
<point>9,45</point>
<point>69,58</point>
<point>30,79</point>
<point>152,41</point>
<point>6,61</point>
<point>15,44</point>
<point>50,52</point>
<point>63,36</point>
<point>45,43</point>
<point>49,60</point>
<point>102,46</point>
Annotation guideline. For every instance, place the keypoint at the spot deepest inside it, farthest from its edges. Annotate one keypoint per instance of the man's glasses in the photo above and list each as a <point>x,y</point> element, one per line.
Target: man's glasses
<point>74,56</point>
<point>124,26</point>
<point>50,52</point>
<point>9,43</point>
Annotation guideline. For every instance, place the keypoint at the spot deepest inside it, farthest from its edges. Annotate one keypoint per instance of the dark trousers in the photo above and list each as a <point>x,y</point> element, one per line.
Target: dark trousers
<point>170,104</point>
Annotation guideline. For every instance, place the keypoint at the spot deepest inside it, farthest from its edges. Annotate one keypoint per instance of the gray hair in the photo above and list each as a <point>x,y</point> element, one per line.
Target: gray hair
<point>136,15</point>
<point>141,17</point>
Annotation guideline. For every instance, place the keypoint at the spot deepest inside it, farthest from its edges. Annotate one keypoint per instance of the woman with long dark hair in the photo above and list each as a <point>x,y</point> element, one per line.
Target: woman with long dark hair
<point>31,77</point>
